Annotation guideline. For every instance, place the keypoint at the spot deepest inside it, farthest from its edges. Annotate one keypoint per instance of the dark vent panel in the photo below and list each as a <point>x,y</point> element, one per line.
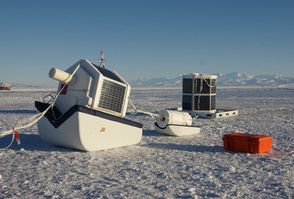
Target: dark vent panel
<point>187,102</point>
<point>204,102</point>
<point>204,86</point>
<point>112,96</point>
<point>187,86</point>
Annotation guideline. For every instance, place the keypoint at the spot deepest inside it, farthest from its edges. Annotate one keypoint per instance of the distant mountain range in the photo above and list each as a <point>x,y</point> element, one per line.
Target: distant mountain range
<point>230,79</point>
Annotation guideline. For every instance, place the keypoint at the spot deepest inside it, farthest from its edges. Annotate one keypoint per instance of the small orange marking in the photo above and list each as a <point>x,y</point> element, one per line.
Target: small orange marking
<point>102,129</point>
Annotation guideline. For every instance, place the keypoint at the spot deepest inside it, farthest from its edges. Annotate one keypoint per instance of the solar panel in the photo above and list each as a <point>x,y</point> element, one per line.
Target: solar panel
<point>108,73</point>
<point>112,96</point>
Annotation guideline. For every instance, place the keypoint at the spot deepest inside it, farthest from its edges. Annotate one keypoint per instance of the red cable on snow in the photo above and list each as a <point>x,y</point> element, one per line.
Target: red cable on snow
<point>17,137</point>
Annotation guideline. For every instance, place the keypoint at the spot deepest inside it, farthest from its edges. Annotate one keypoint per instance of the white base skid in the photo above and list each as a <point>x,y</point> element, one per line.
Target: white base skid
<point>89,132</point>
<point>177,130</point>
<point>220,113</point>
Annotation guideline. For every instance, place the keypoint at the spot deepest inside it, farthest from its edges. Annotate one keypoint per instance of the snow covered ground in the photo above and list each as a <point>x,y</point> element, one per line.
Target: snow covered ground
<point>160,166</point>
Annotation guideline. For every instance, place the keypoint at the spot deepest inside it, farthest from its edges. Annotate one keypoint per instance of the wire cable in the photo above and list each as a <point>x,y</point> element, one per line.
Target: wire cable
<point>35,118</point>
<point>153,115</point>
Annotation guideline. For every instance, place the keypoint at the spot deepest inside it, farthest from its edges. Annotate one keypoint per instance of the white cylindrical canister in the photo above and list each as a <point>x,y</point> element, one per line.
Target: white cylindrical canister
<point>60,75</point>
<point>167,117</point>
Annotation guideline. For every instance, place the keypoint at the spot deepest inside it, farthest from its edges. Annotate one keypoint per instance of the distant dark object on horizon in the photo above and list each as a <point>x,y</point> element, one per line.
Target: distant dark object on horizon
<point>4,86</point>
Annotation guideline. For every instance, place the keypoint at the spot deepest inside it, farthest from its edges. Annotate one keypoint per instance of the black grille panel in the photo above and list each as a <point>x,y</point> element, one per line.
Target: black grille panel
<point>204,102</point>
<point>187,102</point>
<point>112,96</point>
<point>187,86</point>
<point>208,86</point>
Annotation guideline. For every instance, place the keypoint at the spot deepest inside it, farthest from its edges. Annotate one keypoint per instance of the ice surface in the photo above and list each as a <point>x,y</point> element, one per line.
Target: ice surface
<point>160,166</point>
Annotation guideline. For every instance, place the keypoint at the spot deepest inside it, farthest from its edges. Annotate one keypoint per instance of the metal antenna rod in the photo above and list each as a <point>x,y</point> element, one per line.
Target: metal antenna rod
<point>102,60</point>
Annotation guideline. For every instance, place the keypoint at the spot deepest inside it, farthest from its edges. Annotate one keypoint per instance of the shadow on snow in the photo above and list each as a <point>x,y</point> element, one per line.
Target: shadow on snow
<point>20,111</point>
<point>186,147</point>
<point>31,142</point>
<point>152,133</point>
<point>180,147</point>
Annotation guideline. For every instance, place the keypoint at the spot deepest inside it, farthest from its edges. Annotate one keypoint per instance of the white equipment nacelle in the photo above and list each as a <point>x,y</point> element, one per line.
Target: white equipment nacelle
<point>89,112</point>
<point>94,87</point>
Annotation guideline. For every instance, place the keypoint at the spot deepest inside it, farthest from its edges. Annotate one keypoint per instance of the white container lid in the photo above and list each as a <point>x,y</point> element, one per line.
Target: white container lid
<point>199,75</point>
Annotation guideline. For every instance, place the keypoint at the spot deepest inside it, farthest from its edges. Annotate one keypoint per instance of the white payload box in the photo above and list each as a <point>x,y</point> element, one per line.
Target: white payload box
<point>89,112</point>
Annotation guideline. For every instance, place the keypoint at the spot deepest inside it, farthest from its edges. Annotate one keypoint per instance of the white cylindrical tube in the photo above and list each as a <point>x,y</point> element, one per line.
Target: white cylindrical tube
<point>167,117</point>
<point>60,75</point>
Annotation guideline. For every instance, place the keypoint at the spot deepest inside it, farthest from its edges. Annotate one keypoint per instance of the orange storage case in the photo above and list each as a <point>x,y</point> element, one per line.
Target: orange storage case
<point>247,143</point>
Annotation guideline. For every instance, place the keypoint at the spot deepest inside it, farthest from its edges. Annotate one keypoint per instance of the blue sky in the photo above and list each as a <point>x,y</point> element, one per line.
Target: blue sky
<point>146,38</point>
